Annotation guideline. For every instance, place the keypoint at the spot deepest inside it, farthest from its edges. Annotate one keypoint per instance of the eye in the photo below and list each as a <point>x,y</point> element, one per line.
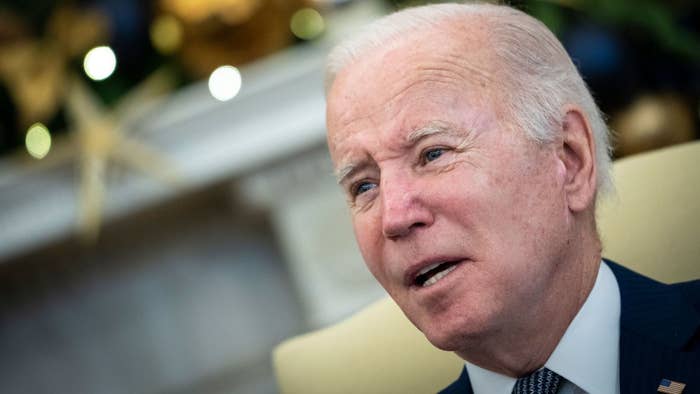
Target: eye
<point>432,154</point>
<point>362,187</point>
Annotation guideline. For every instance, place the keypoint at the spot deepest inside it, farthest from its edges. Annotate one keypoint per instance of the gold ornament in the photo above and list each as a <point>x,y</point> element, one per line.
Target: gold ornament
<point>35,70</point>
<point>233,12</point>
<point>652,122</point>
<point>218,32</point>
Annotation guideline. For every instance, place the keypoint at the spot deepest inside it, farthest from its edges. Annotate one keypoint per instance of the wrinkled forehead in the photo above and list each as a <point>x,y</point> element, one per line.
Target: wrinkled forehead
<point>429,68</point>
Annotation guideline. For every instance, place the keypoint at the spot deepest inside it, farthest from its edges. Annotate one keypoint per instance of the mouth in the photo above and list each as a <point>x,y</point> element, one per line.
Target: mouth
<point>433,273</point>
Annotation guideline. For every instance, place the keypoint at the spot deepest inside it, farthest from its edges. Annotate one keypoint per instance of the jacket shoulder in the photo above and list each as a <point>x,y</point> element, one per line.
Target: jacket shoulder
<point>691,291</point>
<point>460,386</point>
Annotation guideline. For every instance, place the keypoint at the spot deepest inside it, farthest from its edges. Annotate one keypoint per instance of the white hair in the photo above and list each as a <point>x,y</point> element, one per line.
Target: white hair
<point>538,73</point>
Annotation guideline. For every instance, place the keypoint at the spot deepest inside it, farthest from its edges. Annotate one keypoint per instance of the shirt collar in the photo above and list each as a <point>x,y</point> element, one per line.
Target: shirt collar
<point>587,355</point>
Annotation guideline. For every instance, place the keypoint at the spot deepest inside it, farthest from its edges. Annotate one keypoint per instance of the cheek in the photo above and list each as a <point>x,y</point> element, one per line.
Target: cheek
<point>369,237</point>
<point>525,209</point>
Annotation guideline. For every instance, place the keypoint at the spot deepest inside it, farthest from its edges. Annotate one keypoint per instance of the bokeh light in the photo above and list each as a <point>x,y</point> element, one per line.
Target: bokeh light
<point>38,140</point>
<point>166,34</point>
<point>225,83</point>
<point>307,24</point>
<point>99,63</point>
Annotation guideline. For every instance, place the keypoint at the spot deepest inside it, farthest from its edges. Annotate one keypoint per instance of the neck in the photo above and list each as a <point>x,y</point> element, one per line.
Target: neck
<point>526,345</point>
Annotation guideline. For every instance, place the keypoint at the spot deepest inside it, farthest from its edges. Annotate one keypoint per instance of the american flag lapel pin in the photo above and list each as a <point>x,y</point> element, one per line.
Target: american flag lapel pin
<point>669,386</point>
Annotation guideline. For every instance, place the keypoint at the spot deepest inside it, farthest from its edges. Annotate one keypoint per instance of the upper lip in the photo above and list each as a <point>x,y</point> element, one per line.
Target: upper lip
<point>413,271</point>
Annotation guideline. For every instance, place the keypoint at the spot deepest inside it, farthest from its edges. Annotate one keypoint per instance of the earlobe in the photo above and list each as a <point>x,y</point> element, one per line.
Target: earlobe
<point>577,152</point>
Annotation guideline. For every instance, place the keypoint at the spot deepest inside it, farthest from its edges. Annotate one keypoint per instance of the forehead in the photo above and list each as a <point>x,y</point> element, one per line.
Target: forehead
<point>439,75</point>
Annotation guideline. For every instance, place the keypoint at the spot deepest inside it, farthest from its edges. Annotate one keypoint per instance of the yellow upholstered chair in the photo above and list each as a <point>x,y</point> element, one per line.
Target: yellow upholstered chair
<point>651,226</point>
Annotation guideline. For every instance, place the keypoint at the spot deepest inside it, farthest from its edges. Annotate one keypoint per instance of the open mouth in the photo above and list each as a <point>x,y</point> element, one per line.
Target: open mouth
<point>431,274</point>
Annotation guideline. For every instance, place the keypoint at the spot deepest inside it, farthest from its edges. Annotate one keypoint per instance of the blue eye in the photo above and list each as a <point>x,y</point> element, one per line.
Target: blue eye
<point>364,187</point>
<point>433,154</point>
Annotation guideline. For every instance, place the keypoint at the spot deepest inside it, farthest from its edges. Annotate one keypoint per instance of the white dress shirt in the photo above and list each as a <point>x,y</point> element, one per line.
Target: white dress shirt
<point>586,356</point>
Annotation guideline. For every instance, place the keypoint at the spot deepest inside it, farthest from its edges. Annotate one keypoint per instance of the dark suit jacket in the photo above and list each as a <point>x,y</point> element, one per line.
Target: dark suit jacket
<point>659,335</point>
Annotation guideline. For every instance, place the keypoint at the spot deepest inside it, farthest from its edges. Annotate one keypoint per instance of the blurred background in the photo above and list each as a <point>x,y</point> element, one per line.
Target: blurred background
<point>168,211</point>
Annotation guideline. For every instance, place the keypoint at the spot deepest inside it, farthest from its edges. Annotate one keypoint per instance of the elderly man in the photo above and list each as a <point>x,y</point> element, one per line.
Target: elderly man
<point>472,154</point>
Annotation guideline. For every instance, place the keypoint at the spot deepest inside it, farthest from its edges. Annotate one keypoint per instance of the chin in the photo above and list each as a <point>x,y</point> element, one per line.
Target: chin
<point>447,341</point>
<point>452,335</point>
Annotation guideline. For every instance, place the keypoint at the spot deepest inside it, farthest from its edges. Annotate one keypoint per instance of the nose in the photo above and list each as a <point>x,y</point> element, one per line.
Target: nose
<point>404,208</point>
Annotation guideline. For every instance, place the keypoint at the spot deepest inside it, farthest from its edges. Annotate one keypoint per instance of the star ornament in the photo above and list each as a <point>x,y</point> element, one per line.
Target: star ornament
<point>98,139</point>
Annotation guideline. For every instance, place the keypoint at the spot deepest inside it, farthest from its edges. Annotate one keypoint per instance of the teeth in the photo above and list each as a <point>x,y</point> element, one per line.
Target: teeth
<point>438,276</point>
<point>428,268</point>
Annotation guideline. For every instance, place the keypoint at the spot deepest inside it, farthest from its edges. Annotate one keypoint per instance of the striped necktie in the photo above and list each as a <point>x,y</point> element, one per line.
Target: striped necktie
<point>542,381</point>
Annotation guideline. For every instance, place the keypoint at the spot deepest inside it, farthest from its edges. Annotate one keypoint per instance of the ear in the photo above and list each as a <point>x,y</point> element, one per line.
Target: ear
<point>577,152</point>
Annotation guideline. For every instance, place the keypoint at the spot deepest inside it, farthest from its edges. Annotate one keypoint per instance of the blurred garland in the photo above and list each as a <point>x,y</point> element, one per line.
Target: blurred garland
<point>662,21</point>
<point>41,78</point>
<point>41,41</point>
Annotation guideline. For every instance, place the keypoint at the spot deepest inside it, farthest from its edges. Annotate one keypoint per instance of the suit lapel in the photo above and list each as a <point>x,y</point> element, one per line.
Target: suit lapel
<point>656,323</point>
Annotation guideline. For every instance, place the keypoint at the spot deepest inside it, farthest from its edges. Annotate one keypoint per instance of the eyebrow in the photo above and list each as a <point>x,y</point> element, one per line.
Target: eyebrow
<point>346,171</point>
<point>432,128</point>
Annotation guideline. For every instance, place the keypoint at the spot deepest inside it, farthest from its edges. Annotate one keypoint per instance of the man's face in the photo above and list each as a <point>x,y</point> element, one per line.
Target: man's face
<point>459,217</point>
